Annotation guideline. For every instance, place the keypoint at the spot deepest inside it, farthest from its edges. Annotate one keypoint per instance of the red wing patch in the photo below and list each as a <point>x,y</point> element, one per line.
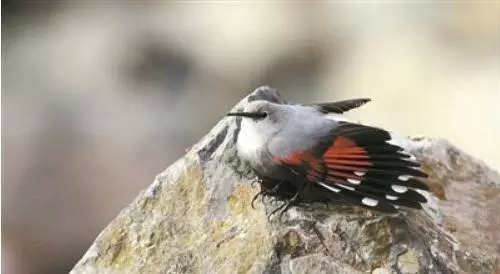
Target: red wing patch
<point>343,142</point>
<point>292,159</point>
<point>344,156</point>
<point>340,160</point>
<point>304,157</point>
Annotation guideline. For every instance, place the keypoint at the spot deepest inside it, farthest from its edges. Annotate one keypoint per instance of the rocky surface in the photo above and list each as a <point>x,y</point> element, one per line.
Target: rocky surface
<point>196,218</point>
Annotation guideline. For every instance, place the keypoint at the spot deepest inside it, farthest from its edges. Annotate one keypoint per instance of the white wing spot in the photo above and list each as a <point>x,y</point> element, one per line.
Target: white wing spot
<point>392,142</point>
<point>410,156</point>
<point>347,187</point>
<point>369,201</point>
<point>390,197</point>
<point>354,181</point>
<point>404,177</point>
<point>334,189</point>
<point>399,188</point>
<point>359,173</point>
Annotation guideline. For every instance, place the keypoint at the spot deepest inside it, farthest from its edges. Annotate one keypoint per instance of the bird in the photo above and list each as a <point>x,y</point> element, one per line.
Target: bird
<point>304,154</point>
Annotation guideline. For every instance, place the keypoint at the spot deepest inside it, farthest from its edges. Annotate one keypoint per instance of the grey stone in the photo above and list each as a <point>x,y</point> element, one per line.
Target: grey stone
<point>196,218</point>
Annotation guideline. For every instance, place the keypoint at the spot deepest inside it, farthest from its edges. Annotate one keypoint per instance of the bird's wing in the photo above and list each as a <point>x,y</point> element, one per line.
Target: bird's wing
<point>339,107</point>
<point>359,164</point>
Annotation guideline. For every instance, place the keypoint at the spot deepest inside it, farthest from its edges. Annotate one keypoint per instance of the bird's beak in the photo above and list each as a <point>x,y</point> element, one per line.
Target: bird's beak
<point>247,114</point>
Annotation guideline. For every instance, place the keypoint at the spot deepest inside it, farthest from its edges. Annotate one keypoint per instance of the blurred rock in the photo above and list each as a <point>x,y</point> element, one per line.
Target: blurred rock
<point>136,82</point>
<point>196,218</point>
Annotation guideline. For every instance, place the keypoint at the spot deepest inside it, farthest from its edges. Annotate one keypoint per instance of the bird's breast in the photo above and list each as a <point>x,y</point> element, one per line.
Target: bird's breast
<point>250,142</point>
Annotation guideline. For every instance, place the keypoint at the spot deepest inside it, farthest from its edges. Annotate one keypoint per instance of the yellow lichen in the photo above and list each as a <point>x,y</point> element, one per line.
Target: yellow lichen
<point>170,230</point>
<point>408,262</point>
<point>251,242</point>
<point>115,251</point>
<point>292,242</point>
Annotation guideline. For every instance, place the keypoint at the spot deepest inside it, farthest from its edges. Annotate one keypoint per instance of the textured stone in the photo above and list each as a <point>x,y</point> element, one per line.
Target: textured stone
<point>408,262</point>
<point>196,218</point>
<point>381,271</point>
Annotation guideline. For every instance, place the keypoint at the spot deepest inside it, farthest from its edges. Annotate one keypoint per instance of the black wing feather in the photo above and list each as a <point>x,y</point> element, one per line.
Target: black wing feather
<point>340,107</point>
<point>357,163</point>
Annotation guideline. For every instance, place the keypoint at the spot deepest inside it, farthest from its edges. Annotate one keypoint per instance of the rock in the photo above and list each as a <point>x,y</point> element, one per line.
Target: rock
<point>196,218</point>
<point>381,271</point>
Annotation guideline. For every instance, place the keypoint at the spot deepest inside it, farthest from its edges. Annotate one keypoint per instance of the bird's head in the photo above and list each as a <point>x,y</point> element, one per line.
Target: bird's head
<point>261,119</point>
<point>256,111</point>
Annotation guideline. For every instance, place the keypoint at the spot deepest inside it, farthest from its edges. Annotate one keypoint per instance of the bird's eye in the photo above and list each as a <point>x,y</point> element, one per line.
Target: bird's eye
<point>259,116</point>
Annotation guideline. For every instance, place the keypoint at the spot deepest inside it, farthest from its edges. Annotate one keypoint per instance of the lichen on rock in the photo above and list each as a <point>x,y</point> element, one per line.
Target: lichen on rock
<point>196,218</point>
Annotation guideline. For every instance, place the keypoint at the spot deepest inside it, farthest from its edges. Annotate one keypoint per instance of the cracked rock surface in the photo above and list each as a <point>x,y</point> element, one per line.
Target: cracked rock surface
<point>196,218</point>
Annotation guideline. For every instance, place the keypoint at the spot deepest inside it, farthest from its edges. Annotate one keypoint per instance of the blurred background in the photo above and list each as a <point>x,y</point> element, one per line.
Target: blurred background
<point>100,96</point>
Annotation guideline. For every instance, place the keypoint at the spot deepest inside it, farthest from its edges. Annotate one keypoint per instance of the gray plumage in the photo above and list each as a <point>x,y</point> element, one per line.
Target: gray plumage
<point>303,145</point>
